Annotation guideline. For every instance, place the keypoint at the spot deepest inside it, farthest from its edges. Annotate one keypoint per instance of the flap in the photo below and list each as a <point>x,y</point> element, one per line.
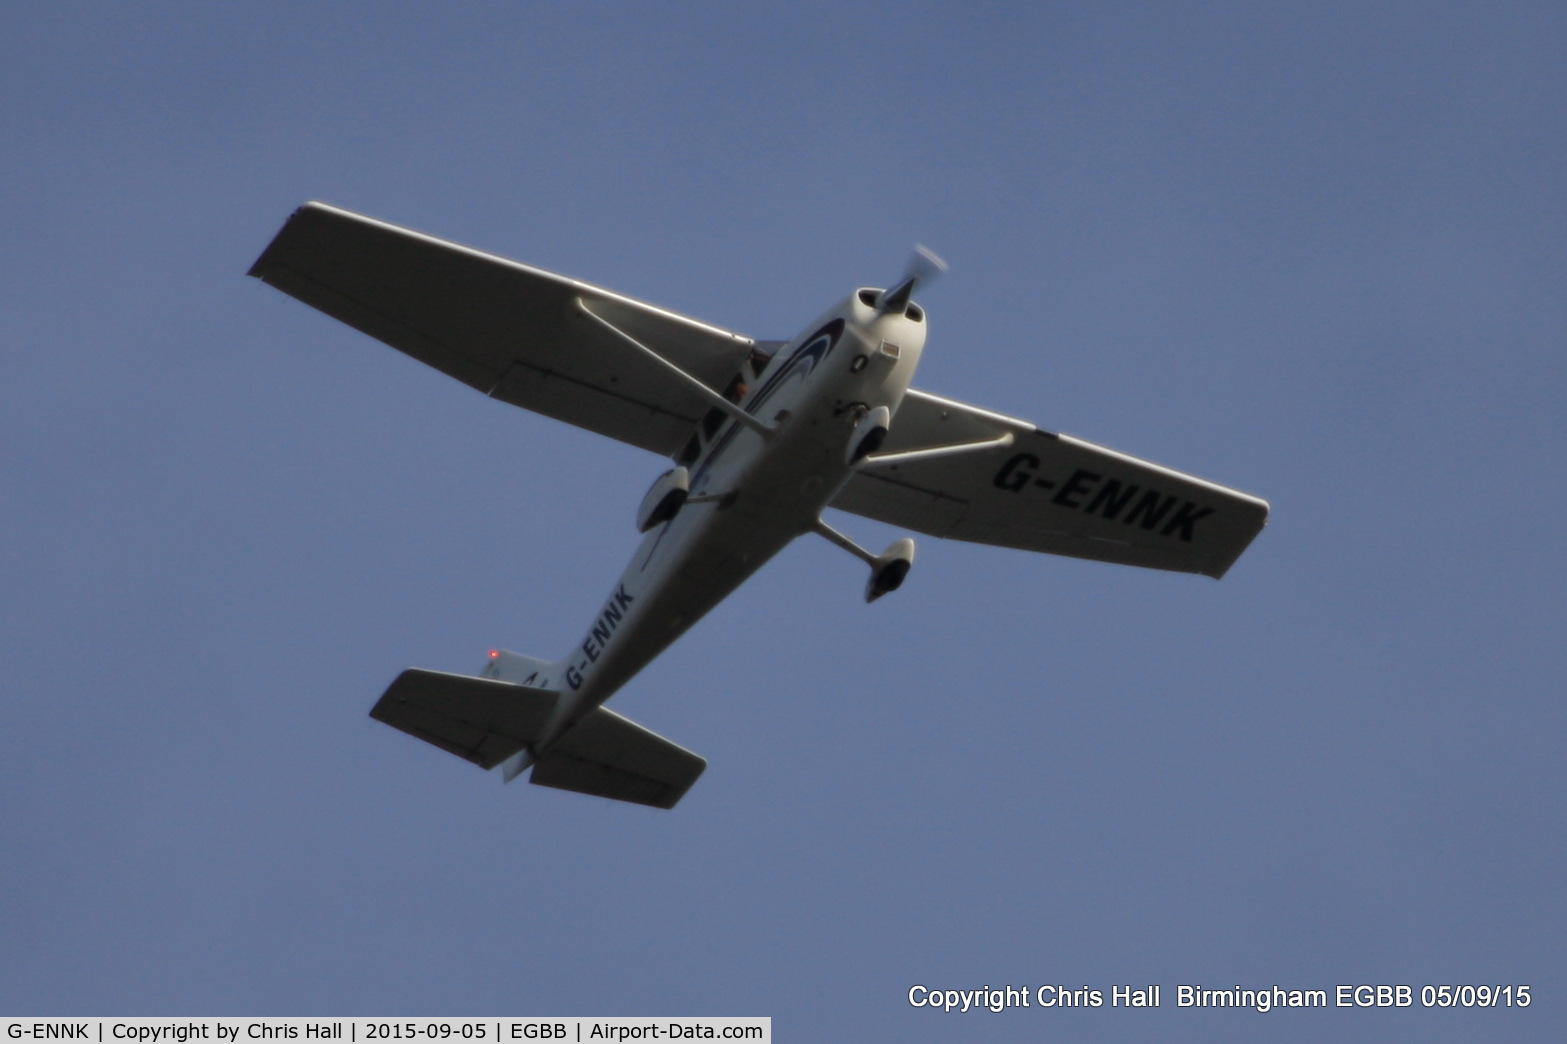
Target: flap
<point>511,331</point>
<point>1040,491</point>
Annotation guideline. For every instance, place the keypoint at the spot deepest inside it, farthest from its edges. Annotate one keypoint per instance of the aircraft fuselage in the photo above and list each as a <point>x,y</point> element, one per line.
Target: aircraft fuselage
<point>750,495</point>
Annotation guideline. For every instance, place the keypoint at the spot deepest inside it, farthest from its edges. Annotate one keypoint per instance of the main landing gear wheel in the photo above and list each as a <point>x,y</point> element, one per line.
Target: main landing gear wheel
<point>665,499</point>
<point>889,569</point>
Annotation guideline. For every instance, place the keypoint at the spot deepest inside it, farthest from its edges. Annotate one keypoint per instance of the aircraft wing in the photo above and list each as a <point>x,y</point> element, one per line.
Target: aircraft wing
<point>1018,486</point>
<point>513,332</point>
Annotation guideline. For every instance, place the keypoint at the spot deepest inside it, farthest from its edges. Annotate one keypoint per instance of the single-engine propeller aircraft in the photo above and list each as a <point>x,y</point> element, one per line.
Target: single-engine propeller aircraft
<point>763,435</point>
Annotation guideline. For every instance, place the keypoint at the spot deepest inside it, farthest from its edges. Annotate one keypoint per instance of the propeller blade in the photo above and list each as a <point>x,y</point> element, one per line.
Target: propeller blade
<point>923,267</point>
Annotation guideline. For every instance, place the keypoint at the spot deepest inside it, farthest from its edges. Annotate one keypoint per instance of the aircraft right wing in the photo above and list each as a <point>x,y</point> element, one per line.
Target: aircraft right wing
<point>1017,486</point>
<point>513,332</point>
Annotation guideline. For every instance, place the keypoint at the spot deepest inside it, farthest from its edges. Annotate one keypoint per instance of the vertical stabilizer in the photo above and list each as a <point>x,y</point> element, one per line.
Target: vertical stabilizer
<point>519,669</point>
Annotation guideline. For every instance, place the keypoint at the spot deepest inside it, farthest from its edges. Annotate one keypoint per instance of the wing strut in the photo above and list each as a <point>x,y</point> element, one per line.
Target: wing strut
<point>909,456</point>
<point>713,398</point>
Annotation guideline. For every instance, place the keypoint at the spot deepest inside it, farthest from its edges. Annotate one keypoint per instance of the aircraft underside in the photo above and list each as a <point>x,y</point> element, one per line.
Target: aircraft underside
<point>762,437</point>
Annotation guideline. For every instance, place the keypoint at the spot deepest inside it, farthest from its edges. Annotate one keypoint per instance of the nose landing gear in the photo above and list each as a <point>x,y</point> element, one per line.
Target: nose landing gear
<point>869,434</point>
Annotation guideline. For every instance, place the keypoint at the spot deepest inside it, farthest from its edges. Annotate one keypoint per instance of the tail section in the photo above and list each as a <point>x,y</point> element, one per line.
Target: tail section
<point>499,719</point>
<point>478,719</point>
<point>518,669</point>
<point>614,757</point>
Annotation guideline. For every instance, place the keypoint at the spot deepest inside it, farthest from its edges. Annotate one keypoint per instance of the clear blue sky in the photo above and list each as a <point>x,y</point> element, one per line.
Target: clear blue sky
<point>1313,251</point>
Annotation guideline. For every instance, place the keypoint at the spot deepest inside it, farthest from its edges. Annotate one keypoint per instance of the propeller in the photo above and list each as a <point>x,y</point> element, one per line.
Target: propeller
<point>924,267</point>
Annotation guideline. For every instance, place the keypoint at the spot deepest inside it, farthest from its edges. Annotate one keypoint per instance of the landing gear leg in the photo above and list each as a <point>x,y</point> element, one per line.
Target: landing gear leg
<point>888,569</point>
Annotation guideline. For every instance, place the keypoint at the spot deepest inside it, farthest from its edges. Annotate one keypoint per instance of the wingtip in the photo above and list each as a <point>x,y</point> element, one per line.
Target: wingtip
<point>262,265</point>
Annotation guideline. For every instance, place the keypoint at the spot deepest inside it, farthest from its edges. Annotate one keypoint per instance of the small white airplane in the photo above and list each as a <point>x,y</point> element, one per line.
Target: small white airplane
<point>763,434</point>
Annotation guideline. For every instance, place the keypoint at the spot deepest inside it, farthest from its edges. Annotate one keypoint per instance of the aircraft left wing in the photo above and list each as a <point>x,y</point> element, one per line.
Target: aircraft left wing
<point>1015,485</point>
<point>513,332</point>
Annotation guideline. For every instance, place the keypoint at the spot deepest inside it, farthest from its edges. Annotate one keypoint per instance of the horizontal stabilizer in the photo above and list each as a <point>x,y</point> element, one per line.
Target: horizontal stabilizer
<point>487,722</point>
<point>614,757</point>
<point>479,720</point>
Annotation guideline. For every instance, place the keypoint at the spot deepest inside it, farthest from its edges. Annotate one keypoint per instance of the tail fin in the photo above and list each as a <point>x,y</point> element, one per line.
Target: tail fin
<point>518,669</point>
<point>489,721</point>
